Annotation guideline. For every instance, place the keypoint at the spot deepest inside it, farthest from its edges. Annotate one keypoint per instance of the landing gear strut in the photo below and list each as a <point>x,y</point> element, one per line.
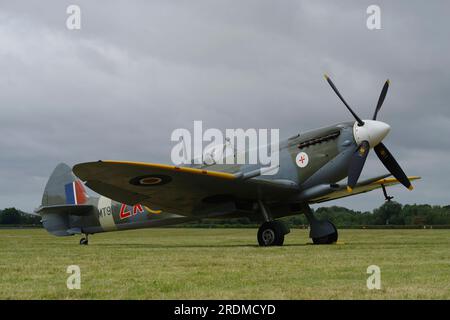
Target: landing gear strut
<point>386,197</point>
<point>271,232</point>
<point>321,232</point>
<point>84,241</point>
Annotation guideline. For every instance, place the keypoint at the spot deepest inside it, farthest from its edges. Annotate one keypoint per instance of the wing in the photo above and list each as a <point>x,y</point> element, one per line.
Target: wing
<point>181,190</point>
<point>362,187</point>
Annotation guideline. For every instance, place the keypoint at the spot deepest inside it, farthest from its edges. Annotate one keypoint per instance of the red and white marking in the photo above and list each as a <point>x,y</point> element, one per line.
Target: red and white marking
<point>302,159</point>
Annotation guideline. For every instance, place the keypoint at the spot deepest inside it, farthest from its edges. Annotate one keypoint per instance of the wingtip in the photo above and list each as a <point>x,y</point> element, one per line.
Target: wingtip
<point>326,76</point>
<point>349,189</point>
<point>388,82</point>
<point>410,188</point>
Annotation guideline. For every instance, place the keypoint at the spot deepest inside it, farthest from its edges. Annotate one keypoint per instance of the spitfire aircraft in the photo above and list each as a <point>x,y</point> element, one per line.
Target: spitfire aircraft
<point>312,167</point>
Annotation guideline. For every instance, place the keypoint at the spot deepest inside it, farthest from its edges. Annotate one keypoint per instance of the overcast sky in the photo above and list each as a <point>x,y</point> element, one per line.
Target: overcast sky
<point>137,70</point>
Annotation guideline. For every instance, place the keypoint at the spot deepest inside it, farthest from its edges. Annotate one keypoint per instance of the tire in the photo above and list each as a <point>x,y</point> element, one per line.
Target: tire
<point>84,241</point>
<point>328,239</point>
<point>271,234</point>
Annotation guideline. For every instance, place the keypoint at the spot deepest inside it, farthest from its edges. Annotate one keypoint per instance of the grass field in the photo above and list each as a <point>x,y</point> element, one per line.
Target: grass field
<point>224,264</point>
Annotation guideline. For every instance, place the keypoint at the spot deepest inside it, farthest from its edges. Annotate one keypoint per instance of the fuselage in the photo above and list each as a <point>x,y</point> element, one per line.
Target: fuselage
<point>326,148</point>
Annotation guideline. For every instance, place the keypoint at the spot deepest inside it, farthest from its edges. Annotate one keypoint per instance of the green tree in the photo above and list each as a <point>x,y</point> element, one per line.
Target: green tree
<point>10,216</point>
<point>389,213</point>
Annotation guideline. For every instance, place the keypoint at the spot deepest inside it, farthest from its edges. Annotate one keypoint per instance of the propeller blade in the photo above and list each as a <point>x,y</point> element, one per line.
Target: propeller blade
<point>391,164</point>
<point>360,122</point>
<point>356,164</point>
<point>381,99</point>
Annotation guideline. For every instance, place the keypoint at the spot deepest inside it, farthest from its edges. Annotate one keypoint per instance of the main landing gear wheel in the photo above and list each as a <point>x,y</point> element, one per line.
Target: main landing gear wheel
<point>84,241</point>
<point>328,239</point>
<point>271,233</point>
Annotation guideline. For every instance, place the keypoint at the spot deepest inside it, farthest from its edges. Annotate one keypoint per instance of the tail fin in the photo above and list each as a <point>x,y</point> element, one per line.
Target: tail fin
<point>64,197</point>
<point>63,188</point>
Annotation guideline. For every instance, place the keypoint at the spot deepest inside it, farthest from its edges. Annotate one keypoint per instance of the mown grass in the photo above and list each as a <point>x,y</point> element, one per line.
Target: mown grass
<point>224,264</point>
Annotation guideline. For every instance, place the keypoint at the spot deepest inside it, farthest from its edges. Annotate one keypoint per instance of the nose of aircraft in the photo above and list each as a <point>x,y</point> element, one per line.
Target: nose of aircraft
<point>372,131</point>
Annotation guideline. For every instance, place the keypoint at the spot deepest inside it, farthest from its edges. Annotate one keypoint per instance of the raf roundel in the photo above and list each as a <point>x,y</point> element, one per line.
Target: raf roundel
<point>150,180</point>
<point>302,159</point>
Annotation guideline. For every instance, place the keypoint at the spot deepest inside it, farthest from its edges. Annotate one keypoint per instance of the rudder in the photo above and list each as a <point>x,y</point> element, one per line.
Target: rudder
<point>64,197</point>
<point>63,187</point>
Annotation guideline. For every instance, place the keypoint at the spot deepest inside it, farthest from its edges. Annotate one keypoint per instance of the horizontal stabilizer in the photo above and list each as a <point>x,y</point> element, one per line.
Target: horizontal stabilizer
<point>73,209</point>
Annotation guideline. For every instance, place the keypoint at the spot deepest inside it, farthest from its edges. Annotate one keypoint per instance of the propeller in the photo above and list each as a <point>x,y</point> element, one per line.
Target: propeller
<point>392,165</point>
<point>381,99</point>
<point>360,122</point>
<point>372,128</point>
<point>356,164</point>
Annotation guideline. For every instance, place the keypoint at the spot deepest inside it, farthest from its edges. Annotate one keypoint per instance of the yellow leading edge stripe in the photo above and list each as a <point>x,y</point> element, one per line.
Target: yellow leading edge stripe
<point>391,180</point>
<point>387,180</point>
<point>217,174</point>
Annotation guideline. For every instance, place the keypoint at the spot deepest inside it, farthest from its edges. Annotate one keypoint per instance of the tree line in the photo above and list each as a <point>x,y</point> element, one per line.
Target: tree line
<point>13,216</point>
<point>391,213</point>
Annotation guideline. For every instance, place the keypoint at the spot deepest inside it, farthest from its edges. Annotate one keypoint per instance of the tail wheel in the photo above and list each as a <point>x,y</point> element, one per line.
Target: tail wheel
<point>84,241</point>
<point>271,234</point>
<point>328,239</point>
